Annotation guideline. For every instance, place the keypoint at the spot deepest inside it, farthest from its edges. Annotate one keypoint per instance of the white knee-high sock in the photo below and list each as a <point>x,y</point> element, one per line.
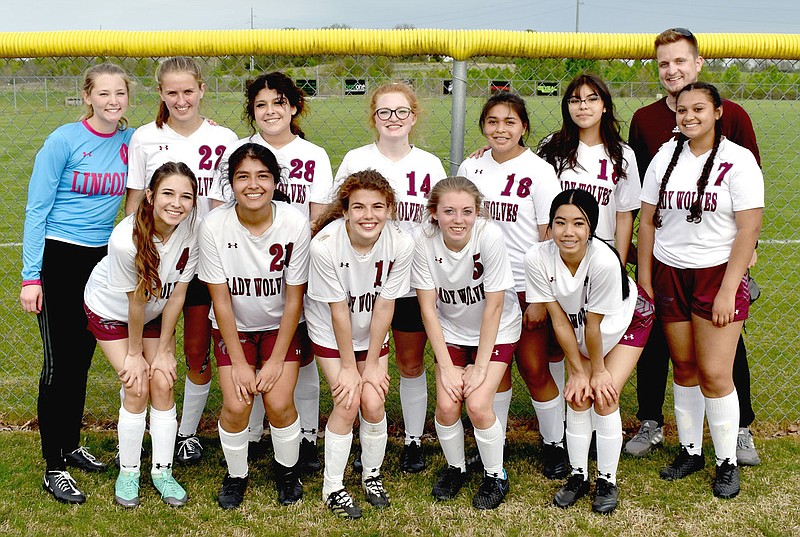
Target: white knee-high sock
<point>121,395</point>
<point>163,429</point>
<point>501,403</point>
<point>194,401</point>
<point>557,372</point>
<point>723,423</point>
<point>234,446</point>
<point>286,443</point>
<point>451,438</point>
<point>579,437</point>
<point>551,419</point>
<point>337,449</point>
<point>414,400</point>
<point>306,400</point>
<point>255,425</point>
<point>689,412</point>
<point>490,445</point>
<point>130,433</point>
<point>609,444</point>
<point>373,446</point>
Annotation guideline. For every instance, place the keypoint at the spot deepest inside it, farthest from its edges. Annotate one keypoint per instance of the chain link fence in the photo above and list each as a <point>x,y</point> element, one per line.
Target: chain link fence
<point>38,95</point>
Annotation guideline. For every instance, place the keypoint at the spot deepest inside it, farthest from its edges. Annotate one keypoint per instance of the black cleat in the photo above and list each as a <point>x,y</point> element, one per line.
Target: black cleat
<point>62,486</point>
<point>491,493</point>
<point>683,465</point>
<point>232,492</point>
<point>287,480</point>
<point>726,482</point>
<point>556,463</point>
<point>450,482</point>
<point>606,495</point>
<point>343,505</point>
<point>412,460</point>
<point>188,450</point>
<point>308,463</point>
<point>576,487</point>
<point>376,492</point>
<point>81,458</point>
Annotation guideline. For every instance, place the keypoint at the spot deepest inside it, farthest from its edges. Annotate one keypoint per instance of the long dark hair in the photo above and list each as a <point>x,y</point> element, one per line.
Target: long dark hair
<point>587,205</point>
<point>696,210</point>
<point>285,88</point>
<point>560,149</point>
<point>262,154</point>
<point>516,103</point>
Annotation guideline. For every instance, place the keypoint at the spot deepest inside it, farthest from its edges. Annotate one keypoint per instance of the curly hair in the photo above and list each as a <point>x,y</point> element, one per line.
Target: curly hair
<point>363,180</point>
<point>285,88</point>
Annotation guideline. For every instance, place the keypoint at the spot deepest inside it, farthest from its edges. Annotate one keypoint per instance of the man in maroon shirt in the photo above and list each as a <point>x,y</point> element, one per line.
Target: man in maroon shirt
<point>679,64</point>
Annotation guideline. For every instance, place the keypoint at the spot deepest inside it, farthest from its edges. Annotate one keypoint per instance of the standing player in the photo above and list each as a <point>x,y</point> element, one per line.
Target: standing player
<point>466,292</point>
<point>68,219</point>
<point>602,329</point>
<point>518,188</point>
<point>702,205</point>
<point>254,258</point>
<point>133,300</point>
<point>180,134</point>
<point>273,106</point>
<point>412,173</point>
<point>679,64</point>
<point>360,264</point>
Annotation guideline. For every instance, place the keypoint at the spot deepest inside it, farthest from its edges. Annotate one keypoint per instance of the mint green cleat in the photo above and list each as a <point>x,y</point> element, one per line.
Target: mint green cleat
<point>171,492</point>
<point>126,490</point>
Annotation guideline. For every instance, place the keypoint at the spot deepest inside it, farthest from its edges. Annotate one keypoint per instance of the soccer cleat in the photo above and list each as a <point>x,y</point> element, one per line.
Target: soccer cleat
<point>412,460</point>
<point>649,435</point>
<point>376,492</point>
<point>62,486</point>
<point>232,492</point>
<point>576,488</point>
<point>126,489</point>
<point>308,463</point>
<point>492,491</point>
<point>343,505</point>
<point>556,464</point>
<point>450,482</point>
<point>683,465</point>
<point>188,449</point>
<point>606,496</point>
<point>171,492</point>
<point>287,480</point>
<point>746,454</point>
<point>726,481</point>
<point>81,458</point>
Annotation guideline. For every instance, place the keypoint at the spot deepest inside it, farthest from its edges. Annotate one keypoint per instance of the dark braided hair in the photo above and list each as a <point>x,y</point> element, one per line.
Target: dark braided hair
<point>696,210</point>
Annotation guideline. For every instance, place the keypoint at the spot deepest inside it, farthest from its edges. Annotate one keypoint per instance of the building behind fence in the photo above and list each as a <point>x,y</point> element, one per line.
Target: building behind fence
<point>40,90</point>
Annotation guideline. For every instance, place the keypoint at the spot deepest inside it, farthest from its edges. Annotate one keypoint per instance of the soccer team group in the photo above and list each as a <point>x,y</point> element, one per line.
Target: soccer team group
<point>284,269</point>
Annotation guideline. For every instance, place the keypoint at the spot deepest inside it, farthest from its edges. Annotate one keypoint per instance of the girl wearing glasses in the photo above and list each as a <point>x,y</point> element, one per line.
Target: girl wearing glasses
<point>412,173</point>
<point>518,188</point>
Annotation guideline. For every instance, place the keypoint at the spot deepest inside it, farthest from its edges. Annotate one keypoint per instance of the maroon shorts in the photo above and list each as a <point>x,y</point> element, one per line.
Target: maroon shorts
<point>257,347</point>
<point>683,292</point>
<point>462,355</point>
<point>111,330</point>
<point>642,322</point>
<point>327,352</point>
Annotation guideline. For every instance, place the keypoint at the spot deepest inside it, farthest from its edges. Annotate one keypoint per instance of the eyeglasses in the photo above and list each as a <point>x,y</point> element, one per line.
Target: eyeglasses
<point>385,114</point>
<point>590,100</point>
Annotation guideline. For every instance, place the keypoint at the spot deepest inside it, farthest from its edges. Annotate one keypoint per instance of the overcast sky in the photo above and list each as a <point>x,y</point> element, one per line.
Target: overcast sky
<point>614,16</point>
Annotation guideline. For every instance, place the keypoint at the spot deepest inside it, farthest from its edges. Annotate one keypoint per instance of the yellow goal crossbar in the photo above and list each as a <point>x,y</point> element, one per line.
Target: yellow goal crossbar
<point>459,44</point>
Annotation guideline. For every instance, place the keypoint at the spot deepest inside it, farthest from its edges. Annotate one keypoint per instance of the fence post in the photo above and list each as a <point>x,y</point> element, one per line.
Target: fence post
<point>459,112</point>
<point>14,82</point>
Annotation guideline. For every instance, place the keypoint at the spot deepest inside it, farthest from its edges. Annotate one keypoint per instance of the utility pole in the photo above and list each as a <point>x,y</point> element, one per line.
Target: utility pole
<point>252,27</point>
<point>577,15</point>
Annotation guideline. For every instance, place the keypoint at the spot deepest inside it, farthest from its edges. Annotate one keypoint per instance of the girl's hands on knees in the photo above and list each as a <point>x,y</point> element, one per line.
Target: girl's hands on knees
<point>452,380</point>
<point>166,363</point>
<point>535,317</point>
<point>474,375</point>
<point>375,375</point>
<point>605,394</point>
<point>244,381</point>
<point>723,309</point>
<point>269,374</point>
<point>134,371</point>
<point>577,389</point>
<point>31,298</point>
<point>347,385</point>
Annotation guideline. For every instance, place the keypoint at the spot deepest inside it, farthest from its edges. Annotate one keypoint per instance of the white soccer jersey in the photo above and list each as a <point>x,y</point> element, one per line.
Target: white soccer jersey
<point>116,275</point>
<point>340,273</point>
<point>735,184</point>
<point>201,151</point>
<point>305,172</point>
<point>596,287</point>
<point>595,174</point>
<point>462,279</point>
<point>255,268</point>
<point>517,195</point>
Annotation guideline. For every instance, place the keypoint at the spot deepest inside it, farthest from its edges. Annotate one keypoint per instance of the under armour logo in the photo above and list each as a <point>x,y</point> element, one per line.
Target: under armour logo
<point>163,148</point>
<point>479,172</point>
<point>552,279</point>
<point>233,245</point>
<point>85,154</point>
<point>438,260</point>
<point>342,265</point>
<point>628,337</point>
<point>496,352</point>
<point>736,312</point>
<point>160,466</point>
